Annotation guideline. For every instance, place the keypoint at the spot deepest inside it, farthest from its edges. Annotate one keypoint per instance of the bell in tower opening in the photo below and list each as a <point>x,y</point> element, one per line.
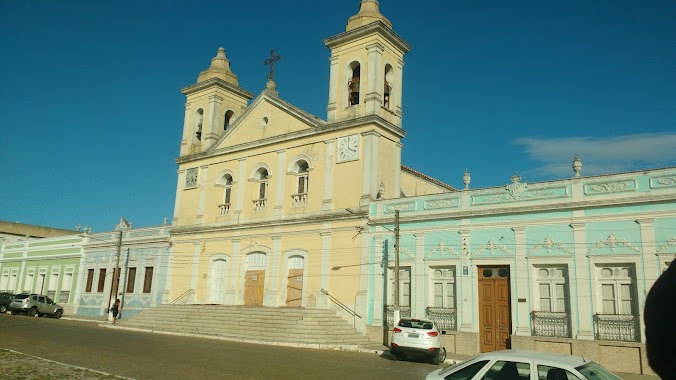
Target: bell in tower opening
<point>353,86</point>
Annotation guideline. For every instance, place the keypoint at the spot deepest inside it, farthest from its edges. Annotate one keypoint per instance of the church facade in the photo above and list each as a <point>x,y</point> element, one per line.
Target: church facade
<point>559,266</point>
<point>263,215</point>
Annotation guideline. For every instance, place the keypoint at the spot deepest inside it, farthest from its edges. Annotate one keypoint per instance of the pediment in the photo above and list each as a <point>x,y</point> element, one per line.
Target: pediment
<point>266,119</point>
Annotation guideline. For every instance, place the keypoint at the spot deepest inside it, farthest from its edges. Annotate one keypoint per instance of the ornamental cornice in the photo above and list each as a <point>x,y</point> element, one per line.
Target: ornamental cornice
<point>377,27</point>
<point>492,247</point>
<point>217,82</point>
<point>317,130</point>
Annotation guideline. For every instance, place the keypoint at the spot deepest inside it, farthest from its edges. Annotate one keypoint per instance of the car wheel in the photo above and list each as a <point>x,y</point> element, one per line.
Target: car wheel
<point>393,356</point>
<point>3,308</point>
<point>40,315</point>
<point>58,314</point>
<point>33,312</point>
<point>440,357</point>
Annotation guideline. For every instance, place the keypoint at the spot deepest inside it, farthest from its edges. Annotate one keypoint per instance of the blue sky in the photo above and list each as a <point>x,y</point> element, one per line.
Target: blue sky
<point>92,111</point>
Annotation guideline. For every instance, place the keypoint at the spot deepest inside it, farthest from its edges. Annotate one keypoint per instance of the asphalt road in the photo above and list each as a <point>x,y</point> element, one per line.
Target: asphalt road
<point>156,356</point>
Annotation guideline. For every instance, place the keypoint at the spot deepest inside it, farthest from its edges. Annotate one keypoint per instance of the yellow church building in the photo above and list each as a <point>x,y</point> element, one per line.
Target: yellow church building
<point>271,200</point>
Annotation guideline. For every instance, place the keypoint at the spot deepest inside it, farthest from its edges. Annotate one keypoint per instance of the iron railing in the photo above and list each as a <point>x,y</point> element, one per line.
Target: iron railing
<point>185,294</point>
<point>550,323</point>
<point>340,304</point>
<point>617,327</point>
<point>444,317</point>
<point>404,311</point>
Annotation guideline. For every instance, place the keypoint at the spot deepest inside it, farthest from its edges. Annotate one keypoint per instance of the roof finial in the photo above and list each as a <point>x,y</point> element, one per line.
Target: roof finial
<point>219,68</point>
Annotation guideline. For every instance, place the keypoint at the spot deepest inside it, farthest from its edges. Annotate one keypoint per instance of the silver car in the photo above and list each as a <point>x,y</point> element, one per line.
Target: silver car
<point>521,364</point>
<point>35,304</point>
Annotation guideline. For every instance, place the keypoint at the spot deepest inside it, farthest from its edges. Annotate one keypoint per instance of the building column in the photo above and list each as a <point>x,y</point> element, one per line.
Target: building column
<point>281,176</point>
<point>583,317</point>
<point>520,280</point>
<point>376,79</point>
<point>327,203</point>
<point>333,90</point>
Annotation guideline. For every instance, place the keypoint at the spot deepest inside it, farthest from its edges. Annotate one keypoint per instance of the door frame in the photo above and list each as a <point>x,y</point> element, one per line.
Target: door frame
<point>479,274</point>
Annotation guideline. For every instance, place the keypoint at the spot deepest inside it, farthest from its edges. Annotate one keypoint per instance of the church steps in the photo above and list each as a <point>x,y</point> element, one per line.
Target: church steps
<point>250,324</point>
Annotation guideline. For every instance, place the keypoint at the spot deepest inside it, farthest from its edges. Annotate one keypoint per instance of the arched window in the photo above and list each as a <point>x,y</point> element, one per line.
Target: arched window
<point>388,85</point>
<point>227,119</point>
<point>353,84</point>
<point>199,118</point>
<point>227,193</point>
<point>301,169</point>
<point>262,177</point>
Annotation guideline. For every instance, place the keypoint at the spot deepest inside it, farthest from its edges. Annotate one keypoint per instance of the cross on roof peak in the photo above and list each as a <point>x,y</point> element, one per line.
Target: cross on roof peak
<point>271,61</point>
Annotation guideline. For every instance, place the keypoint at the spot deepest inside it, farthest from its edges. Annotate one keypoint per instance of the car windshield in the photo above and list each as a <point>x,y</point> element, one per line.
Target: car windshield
<point>593,371</point>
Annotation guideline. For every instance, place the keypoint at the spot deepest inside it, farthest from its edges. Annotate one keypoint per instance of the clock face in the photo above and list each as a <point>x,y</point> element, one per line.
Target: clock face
<point>191,177</point>
<point>348,148</point>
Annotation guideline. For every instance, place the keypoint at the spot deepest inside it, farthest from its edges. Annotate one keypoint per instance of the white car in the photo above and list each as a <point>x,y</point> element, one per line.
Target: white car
<point>417,337</point>
<point>524,365</point>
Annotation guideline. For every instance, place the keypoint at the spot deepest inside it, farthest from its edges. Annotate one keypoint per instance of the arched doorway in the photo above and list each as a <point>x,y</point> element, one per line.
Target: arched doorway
<point>254,279</point>
<point>294,284</point>
<point>217,281</point>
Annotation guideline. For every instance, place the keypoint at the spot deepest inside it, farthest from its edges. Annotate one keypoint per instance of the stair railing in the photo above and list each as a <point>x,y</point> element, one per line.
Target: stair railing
<point>185,294</point>
<point>342,305</point>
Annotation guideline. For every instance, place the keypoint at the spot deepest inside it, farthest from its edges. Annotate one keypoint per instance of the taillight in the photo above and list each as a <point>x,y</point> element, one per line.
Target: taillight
<point>397,330</point>
<point>432,333</point>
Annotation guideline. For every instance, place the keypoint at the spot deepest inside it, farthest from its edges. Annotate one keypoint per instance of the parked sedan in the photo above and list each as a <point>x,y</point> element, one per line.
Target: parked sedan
<point>35,304</point>
<point>5,300</point>
<point>524,365</point>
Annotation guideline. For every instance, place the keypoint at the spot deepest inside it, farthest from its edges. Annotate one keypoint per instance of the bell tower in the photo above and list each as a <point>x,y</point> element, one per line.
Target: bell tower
<point>212,105</point>
<point>366,68</point>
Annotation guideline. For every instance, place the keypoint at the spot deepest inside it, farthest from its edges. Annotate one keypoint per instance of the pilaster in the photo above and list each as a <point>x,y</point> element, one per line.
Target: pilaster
<point>397,171</point>
<point>650,264</point>
<point>179,190</point>
<point>186,131</point>
<point>583,320</point>
<point>211,135</point>
<point>373,98</point>
<point>322,299</point>
<point>204,172</point>
<point>327,202</point>
<point>197,248</point>
<point>272,274</point>
<point>466,293</point>
<point>520,279</point>
<point>399,92</point>
<point>279,193</point>
<point>333,77</point>
<point>241,182</point>
<point>419,289</point>
<point>235,260</point>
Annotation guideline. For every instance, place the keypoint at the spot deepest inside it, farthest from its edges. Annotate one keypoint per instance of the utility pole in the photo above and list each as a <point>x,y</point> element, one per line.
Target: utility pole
<point>397,312</point>
<point>114,286</point>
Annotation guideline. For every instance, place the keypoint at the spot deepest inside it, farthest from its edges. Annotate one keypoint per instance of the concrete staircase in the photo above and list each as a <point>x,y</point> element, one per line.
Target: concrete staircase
<point>298,327</point>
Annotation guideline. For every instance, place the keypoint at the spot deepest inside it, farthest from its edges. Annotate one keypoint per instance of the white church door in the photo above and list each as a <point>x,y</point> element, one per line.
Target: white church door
<point>217,281</point>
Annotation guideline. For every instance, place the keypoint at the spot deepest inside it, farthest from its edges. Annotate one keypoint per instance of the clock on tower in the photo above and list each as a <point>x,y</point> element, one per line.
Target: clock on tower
<point>348,148</point>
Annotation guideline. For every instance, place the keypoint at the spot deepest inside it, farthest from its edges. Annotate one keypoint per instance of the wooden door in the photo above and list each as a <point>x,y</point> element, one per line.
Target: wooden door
<point>294,288</point>
<point>254,285</point>
<point>494,308</point>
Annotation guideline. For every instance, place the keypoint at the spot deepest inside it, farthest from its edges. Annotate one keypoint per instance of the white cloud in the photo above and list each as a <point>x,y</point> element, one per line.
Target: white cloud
<point>604,155</point>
